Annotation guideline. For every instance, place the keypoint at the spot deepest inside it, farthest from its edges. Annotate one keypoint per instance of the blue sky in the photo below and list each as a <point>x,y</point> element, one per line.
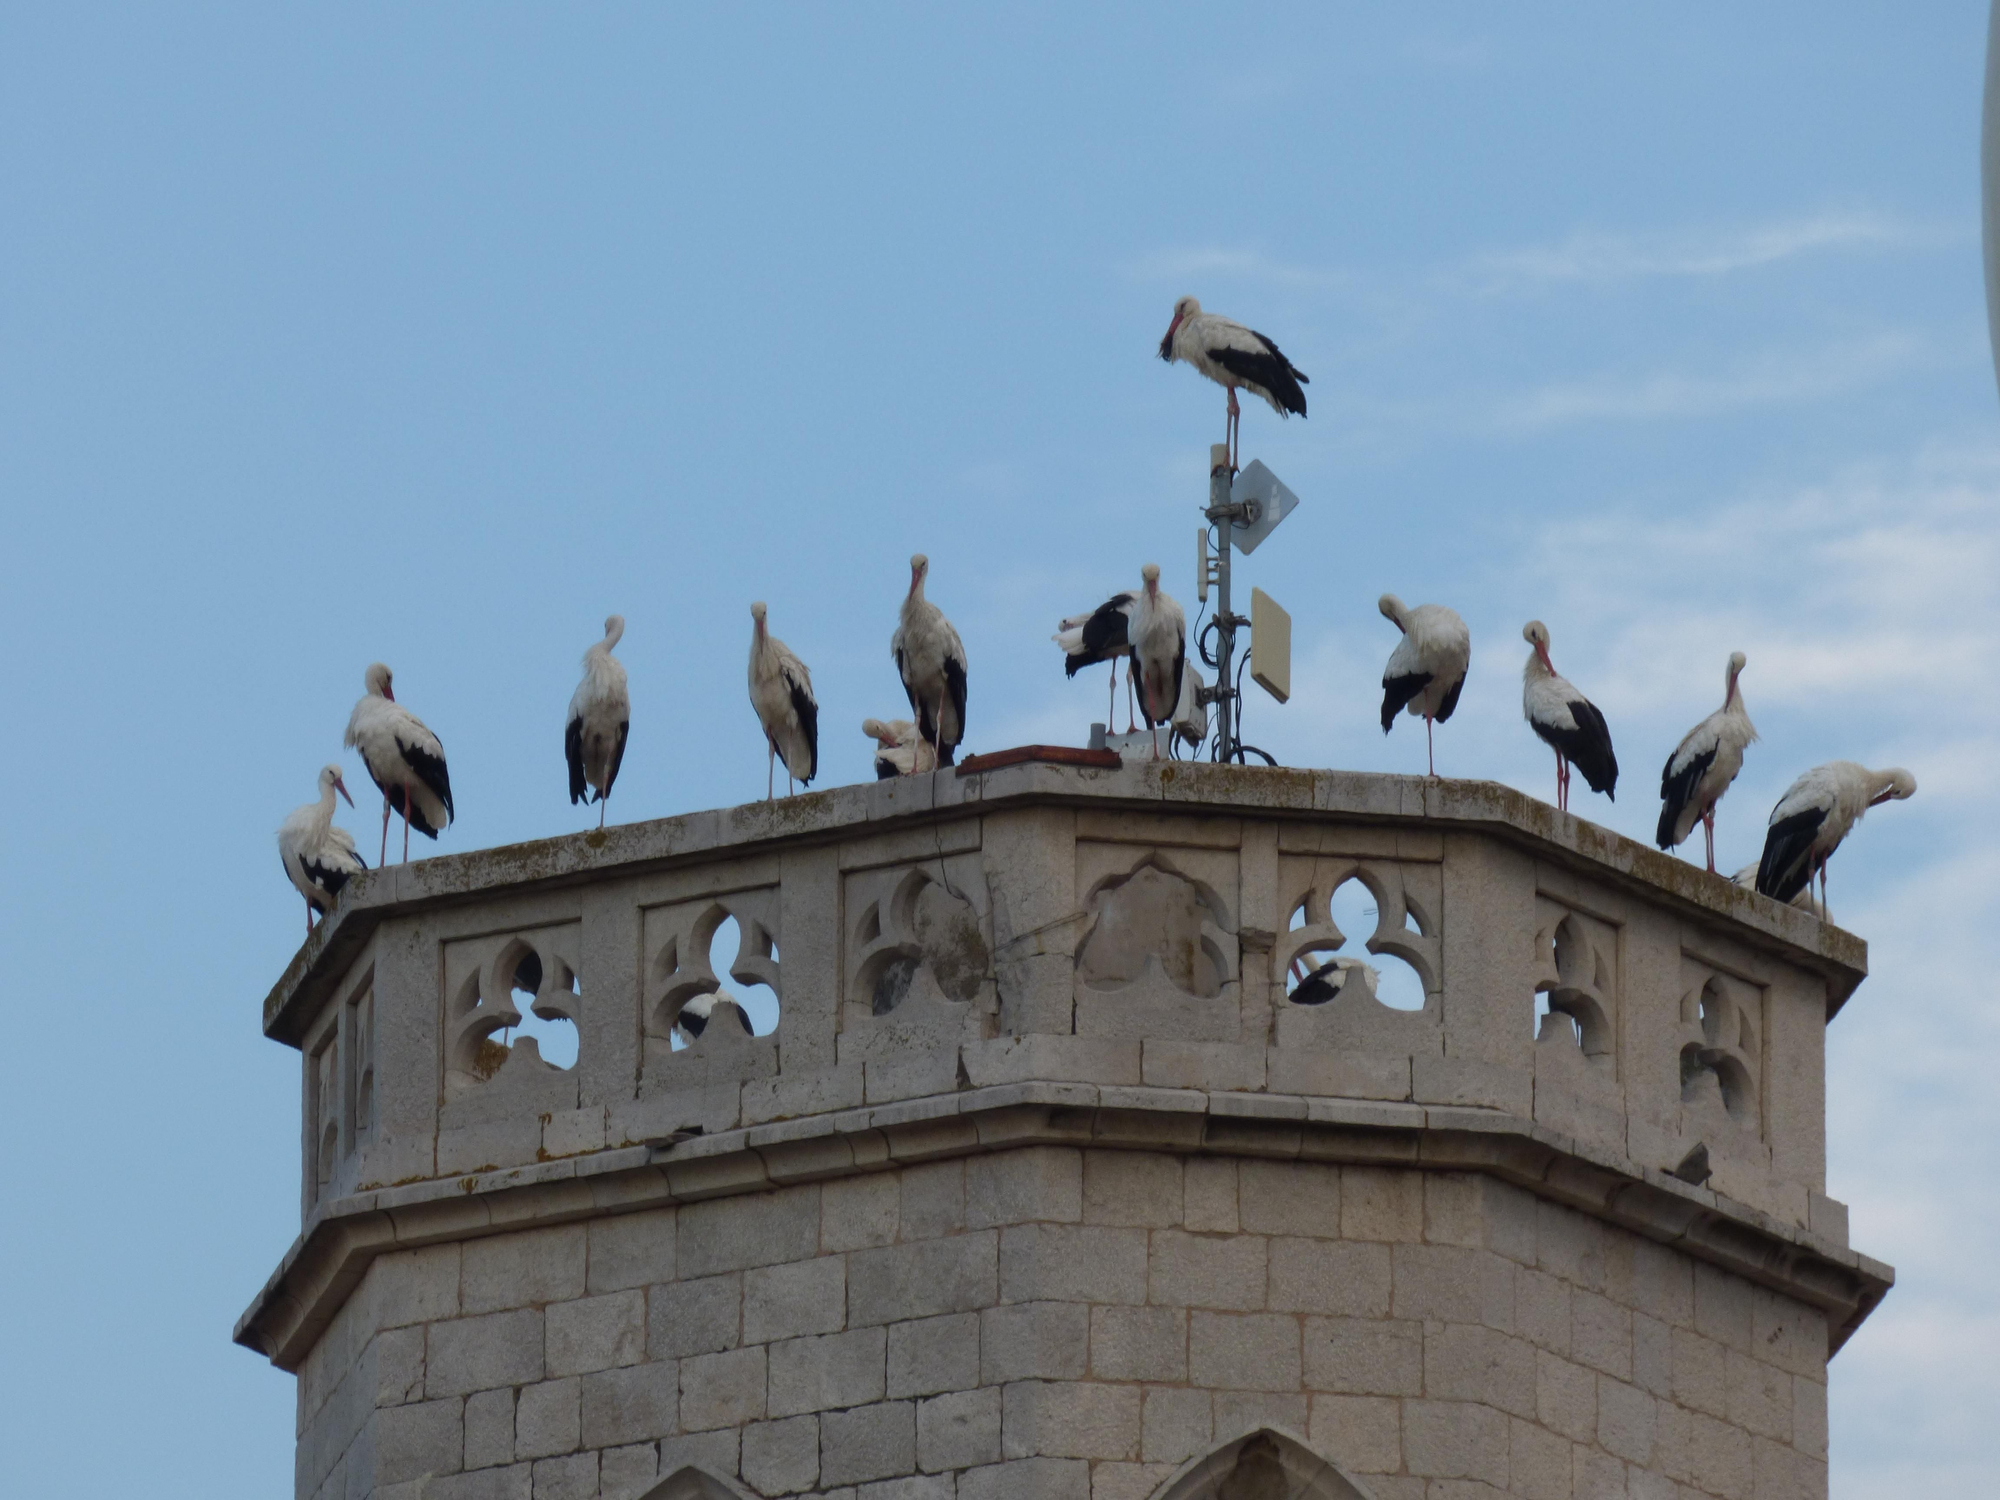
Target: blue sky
<point>433,336</point>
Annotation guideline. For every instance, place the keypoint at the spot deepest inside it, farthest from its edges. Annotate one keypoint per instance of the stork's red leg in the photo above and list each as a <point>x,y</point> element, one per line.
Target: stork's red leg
<point>1708,835</point>
<point>1430,747</point>
<point>771,768</point>
<point>406,825</point>
<point>383,858</point>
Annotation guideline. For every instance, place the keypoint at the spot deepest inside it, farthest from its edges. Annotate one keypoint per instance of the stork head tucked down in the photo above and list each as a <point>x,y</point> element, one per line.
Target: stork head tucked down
<point>1898,785</point>
<point>882,734</point>
<point>1184,309</point>
<point>920,566</point>
<point>377,680</point>
<point>330,781</point>
<point>1536,634</point>
<point>1392,610</point>
<point>757,614</point>
<point>1150,574</point>
<point>1737,662</point>
<point>614,630</point>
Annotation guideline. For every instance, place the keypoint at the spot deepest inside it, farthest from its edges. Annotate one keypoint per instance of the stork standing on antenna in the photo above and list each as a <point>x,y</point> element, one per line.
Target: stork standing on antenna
<point>318,857</point>
<point>403,758</point>
<point>1159,652</point>
<point>1235,358</point>
<point>781,691</point>
<point>1566,721</point>
<point>1814,815</point>
<point>930,658</point>
<point>1703,765</point>
<point>600,713</point>
<point>899,750</point>
<point>1105,634</point>
<point>1427,668</point>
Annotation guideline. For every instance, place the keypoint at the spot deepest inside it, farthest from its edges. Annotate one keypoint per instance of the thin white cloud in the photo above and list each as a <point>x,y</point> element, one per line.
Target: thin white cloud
<point>1592,257</point>
<point>1185,264</point>
<point>1765,380</point>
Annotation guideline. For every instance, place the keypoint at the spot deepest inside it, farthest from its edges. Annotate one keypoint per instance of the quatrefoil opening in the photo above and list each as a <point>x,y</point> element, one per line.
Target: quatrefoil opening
<point>685,974</point>
<point>1571,993</point>
<point>922,925</point>
<point>1322,963</point>
<point>1723,1058</point>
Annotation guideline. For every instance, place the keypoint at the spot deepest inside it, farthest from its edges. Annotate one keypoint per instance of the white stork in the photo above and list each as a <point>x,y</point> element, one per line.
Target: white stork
<point>1703,765</point>
<point>318,857</point>
<point>697,1013</point>
<point>899,749</point>
<point>930,658</point>
<point>1566,721</point>
<point>1813,817</point>
<point>600,713</point>
<point>405,759</point>
<point>1105,634</point>
<point>1234,357</point>
<point>1427,668</point>
<point>1159,652</point>
<point>781,690</point>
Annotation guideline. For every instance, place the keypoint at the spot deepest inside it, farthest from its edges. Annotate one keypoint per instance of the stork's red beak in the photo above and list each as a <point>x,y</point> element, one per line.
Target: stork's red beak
<point>1167,343</point>
<point>388,692</point>
<point>341,787</point>
<point>1882,796</point>
<point>1543,653</point>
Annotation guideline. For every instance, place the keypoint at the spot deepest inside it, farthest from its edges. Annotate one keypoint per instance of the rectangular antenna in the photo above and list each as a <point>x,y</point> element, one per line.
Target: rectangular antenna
<point>1270,645</point>
<point>1201,564</point>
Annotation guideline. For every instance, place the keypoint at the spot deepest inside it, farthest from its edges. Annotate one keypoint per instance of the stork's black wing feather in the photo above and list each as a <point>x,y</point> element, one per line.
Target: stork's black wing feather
<point>1105,634</point>
<point>885,768</point>
<point>808,715</point>
<point>1397,693</point>
<point>1317,987</point>
<point>1451,699</point>
<point>1588,747</point>
<point>617,759</point>
<point>1786,868</point>
<point>1677,791</point>
<point>430,770</point>
<point>1267,372</point>
<point>954,687</point>
<point>573,753</point>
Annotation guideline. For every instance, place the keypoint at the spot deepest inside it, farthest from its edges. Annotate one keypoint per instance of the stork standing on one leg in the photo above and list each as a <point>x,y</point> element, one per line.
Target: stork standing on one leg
<point>1235,358</point>
<point>403,758</point>
<point>781,692</point>
<point>930,658</point>
<point>1105,634</point>
<point>1427,668</point>
<point>1813,816</point>
<point>600,714</point>
<point>1703,765</point>
<point>319,858</point>
<point>1566,721</point>
<point>1159,652</point>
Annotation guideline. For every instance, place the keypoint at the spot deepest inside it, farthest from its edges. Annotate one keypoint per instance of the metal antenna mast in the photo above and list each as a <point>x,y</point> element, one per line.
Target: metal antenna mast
<point>1244,508</point>
<point>1223,513</point>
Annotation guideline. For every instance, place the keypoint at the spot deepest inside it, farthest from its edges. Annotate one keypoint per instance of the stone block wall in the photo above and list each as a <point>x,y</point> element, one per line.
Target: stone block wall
<point>1073,1323</point>
<point>1055,1175</point>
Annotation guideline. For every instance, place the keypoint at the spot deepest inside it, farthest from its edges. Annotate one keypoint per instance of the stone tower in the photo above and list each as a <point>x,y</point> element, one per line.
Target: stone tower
<point>1090,1157</point>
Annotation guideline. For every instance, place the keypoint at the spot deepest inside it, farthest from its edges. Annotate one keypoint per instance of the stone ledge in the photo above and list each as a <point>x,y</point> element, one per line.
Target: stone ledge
<point>328,1260</point>
<point>876,807</point>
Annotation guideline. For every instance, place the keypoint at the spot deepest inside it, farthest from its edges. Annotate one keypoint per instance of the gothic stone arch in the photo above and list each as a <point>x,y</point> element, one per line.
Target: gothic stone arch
<point>1264,1465</point>
<point>693,1483</point>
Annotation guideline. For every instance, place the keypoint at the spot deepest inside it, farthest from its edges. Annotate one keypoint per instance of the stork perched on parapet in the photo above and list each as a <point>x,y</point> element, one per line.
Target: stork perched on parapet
<point>781,692</point>
<point>899,749</point>
<point>930,658</point>
<point>1427,668</point>
<point>1703,765</point>
<point>1566,721</point>
<point>600,714</point>
<point>1104,634</point>
<point>1235,358</point>
<point>403,758</point>
<point>319,858</point>
<point>1159,652</point>
<point>1814,815</point>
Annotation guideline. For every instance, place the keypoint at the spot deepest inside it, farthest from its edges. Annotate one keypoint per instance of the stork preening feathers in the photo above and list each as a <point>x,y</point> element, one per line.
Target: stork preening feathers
<point>1566,721</point>
<point>1703,765</point>
<point>781,691</point>
<point>1427,668</point>
<point>403,758</point>
<point>899,749</point>
<point>1235,358</point>
<point>600,713</point>
<point>1813,817</point>
<point>930,658</point>
<point>318,857</point>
